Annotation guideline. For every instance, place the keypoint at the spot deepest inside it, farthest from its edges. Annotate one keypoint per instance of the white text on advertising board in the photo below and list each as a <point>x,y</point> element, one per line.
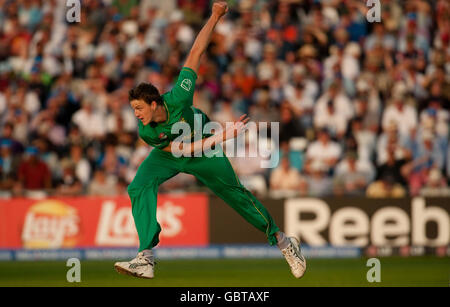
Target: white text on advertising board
<point>351,226</point>
<point>116,225</point>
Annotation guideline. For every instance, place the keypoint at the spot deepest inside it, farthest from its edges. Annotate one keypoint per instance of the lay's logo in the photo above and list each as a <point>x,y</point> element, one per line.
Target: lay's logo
<point>51,224</point>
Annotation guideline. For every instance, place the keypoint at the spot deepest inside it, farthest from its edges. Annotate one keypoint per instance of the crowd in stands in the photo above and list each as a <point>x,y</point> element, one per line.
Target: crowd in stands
<point>363,108</point>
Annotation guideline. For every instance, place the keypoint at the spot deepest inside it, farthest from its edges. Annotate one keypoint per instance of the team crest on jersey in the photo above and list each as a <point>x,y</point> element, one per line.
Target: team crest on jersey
<point>162,136</point>
<point>186,84</point>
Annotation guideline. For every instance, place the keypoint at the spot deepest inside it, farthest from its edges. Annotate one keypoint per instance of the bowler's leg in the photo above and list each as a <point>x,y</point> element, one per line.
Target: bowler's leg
<point>218,174</point>
<point>155,169</point>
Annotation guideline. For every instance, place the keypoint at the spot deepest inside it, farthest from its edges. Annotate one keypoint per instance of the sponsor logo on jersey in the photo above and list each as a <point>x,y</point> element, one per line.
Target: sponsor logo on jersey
<point>186,84</point>
<point>162,136</point>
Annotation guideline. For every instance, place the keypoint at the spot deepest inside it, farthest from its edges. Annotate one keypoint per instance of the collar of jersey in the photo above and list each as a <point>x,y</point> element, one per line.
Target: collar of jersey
<point>167,112</point>
<point>168,115</point>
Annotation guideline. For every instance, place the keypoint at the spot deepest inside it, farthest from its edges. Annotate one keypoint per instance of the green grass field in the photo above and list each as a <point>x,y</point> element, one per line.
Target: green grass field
<point>395,271</point>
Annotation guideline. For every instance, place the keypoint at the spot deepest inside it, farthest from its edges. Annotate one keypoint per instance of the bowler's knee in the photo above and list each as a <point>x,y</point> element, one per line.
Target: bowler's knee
<point>135,186</point>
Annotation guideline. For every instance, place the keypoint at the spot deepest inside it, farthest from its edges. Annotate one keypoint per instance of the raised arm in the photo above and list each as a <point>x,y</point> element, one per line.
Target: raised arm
<point>204,36</point>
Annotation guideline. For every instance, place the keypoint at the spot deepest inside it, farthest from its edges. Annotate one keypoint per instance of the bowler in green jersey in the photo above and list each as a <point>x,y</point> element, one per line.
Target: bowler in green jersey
<point>157,115</point>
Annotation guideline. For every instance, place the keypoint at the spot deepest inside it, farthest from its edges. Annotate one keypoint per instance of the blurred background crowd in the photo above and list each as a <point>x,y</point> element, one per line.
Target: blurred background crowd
<point>363,108</point>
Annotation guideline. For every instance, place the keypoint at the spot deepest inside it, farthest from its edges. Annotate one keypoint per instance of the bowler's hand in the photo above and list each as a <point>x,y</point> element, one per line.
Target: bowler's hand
<point>231,131</point>
<point>219,9</point>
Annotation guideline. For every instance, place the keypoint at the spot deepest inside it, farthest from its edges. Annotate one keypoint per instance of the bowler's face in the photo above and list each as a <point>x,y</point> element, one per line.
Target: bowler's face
<point>142,110</point>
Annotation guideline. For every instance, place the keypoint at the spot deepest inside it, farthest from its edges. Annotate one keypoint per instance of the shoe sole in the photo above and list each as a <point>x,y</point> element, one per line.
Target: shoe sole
<point>124,271</point>
<point>297,241</point>
<point>303,271</point>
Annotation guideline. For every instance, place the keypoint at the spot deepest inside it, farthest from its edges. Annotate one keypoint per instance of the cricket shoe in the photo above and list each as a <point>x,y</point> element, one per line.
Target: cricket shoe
<point>294,258</point>
<point>140,266</point>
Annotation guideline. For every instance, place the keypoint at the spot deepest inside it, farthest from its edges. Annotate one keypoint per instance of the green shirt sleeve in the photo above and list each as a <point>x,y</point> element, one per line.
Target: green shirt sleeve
<point>182,93</point>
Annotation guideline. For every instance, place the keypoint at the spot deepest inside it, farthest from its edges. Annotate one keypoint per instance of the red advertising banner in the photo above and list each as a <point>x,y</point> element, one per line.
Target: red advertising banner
<point>78,222</point>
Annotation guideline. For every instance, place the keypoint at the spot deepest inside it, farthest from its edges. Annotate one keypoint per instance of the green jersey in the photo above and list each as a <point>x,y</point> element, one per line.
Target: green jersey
<point>178,105</point>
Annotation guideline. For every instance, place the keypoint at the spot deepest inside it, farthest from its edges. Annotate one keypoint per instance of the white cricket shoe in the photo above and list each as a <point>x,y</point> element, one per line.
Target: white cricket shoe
<point>294,258</point>
<point>140,266</point>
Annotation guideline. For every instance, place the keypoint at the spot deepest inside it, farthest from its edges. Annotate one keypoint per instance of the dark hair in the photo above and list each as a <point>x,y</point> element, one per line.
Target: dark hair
<point>146,92</point>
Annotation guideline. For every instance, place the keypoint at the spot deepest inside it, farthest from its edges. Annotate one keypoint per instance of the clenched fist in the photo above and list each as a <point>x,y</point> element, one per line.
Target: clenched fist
<point>219,8</point>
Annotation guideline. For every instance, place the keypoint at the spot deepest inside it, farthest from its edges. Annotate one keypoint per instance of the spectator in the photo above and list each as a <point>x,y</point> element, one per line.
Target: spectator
<point>7,134</point>
<point>295,153</point>
<point>399,143</point>
<point>413,77</point>
<point>334,105</point>
<point>243,78</point>
<point>33,174</point>
<point>69,184</point>
<point>137,45</point>
<point>124,7</point>
<point>324,153</point>
<point>300,77</point>
<point>386,187</point>
<point>331,120</point>
<point>436,185</point>
<point>90,122</point>
<point>289,126</point>
<point>102,184</point>
<point>354,174</point>
<point>342,63</point>
<point>149,6</point>
<point>9,165</point>
<point>404,116</point>
<point>263,110</point>
<point>319,183</point>
<point>287,178</point>
<point>48,156</point>
<point>392,167</point>
<point>427,154</point>
<point>111,161</point>
<point>368,104</point>
<point>380,36</point>
<point>436,116</point>
<point>301,105</point>
<point>365,139</point>
<point>270,67</point>
<point>225,113</point>
<point>75,136</point>
<point>81,165</point>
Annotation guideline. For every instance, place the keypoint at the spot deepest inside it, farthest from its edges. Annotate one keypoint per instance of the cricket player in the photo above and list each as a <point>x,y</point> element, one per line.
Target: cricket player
<point>157,114</point>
